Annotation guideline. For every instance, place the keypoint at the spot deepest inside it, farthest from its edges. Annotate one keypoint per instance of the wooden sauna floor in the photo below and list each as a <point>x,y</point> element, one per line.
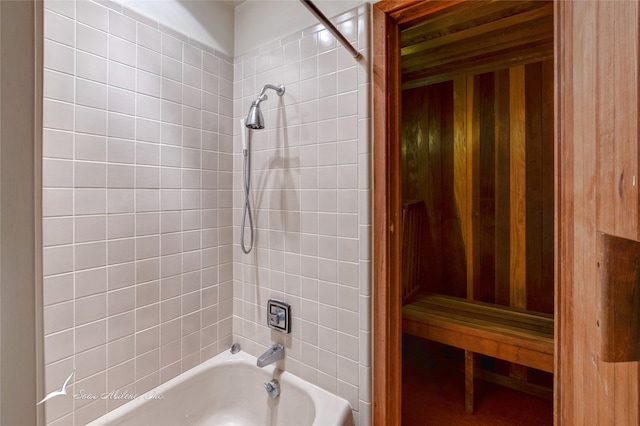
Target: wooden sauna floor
<point>433,394</point>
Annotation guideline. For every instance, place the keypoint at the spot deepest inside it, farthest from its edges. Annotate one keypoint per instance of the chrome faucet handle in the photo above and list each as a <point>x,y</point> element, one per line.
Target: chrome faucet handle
<point>273,388</point>
<point>277,317</point>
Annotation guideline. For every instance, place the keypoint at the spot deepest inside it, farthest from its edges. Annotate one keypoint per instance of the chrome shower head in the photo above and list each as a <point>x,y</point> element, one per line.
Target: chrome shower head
<point>255,120</point>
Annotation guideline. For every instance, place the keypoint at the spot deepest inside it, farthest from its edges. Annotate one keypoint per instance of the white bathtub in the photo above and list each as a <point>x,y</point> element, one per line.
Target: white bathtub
<point>228,390</point>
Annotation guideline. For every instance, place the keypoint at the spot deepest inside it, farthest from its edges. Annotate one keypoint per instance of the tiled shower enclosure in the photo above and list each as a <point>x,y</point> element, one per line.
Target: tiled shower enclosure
<point>143,273</point>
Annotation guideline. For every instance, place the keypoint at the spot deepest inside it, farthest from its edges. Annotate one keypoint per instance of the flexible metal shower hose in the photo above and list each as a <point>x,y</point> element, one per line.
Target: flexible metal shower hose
<point>246,211</point>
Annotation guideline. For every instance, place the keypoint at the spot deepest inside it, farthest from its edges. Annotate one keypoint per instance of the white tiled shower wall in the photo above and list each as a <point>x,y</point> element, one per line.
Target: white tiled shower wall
<point>138,178</point>
<point>138,174</point>
<point>311,190</point>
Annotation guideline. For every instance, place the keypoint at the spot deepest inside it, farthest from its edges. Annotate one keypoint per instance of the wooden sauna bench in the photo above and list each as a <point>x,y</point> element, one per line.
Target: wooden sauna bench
<point>516,335</point>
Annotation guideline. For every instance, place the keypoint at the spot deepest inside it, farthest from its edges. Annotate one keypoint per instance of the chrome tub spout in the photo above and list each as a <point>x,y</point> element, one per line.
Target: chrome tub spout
<point>273,354</point>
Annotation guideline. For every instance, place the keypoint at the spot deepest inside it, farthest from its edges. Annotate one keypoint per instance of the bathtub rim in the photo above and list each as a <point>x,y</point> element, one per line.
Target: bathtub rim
<point>340,411</point>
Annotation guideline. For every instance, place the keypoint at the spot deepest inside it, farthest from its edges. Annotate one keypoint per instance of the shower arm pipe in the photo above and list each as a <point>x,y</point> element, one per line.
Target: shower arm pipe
<point>279,90</point>
<point>332,28</point>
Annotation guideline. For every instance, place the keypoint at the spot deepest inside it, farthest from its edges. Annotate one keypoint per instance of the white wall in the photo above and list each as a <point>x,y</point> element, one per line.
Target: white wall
<point>137,177</point>
<point>262,21</point>
<point>210,22</point>
<point>311,192</point>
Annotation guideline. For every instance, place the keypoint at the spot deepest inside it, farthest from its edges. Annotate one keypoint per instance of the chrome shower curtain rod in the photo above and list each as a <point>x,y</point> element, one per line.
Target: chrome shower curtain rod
<point>332,28</point>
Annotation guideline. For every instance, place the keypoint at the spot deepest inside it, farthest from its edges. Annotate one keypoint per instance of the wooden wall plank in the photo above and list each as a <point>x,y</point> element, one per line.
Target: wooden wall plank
<point>414,137</point>
<point>460,149</point>
<point>420,176</point>
<point>432,117</point>
<point>484,119</point>
<point>428,175</point>
<point>473,194</point>
<point>518,167</point>
<point>454,268</point>
<point>503,189</point>
<point>537,292</point>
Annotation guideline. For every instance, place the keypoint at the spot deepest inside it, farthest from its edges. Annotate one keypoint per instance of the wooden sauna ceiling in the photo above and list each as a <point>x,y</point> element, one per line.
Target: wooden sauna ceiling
<point>474,37</point>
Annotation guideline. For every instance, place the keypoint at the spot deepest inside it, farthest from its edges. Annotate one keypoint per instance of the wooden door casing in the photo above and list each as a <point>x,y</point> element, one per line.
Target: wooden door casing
<point>597,163</point>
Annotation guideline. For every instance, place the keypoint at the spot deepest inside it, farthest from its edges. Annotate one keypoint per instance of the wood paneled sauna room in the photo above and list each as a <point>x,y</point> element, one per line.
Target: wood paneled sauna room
<point>507,240</point>
<point>477,161</point>
<point>482,109</point>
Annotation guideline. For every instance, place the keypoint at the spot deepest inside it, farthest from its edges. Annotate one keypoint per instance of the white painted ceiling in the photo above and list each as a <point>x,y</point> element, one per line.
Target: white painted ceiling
<point>234,3</point>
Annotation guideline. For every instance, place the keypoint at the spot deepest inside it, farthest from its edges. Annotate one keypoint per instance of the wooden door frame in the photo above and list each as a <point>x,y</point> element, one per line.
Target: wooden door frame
<point>388,16</point>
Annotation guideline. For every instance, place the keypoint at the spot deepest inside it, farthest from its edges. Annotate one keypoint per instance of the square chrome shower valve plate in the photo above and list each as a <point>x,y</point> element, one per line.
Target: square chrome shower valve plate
<point>279,316</point>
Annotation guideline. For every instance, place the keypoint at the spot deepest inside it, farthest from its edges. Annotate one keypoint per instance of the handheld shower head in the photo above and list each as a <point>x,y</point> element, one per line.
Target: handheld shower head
<point>255,120</point>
